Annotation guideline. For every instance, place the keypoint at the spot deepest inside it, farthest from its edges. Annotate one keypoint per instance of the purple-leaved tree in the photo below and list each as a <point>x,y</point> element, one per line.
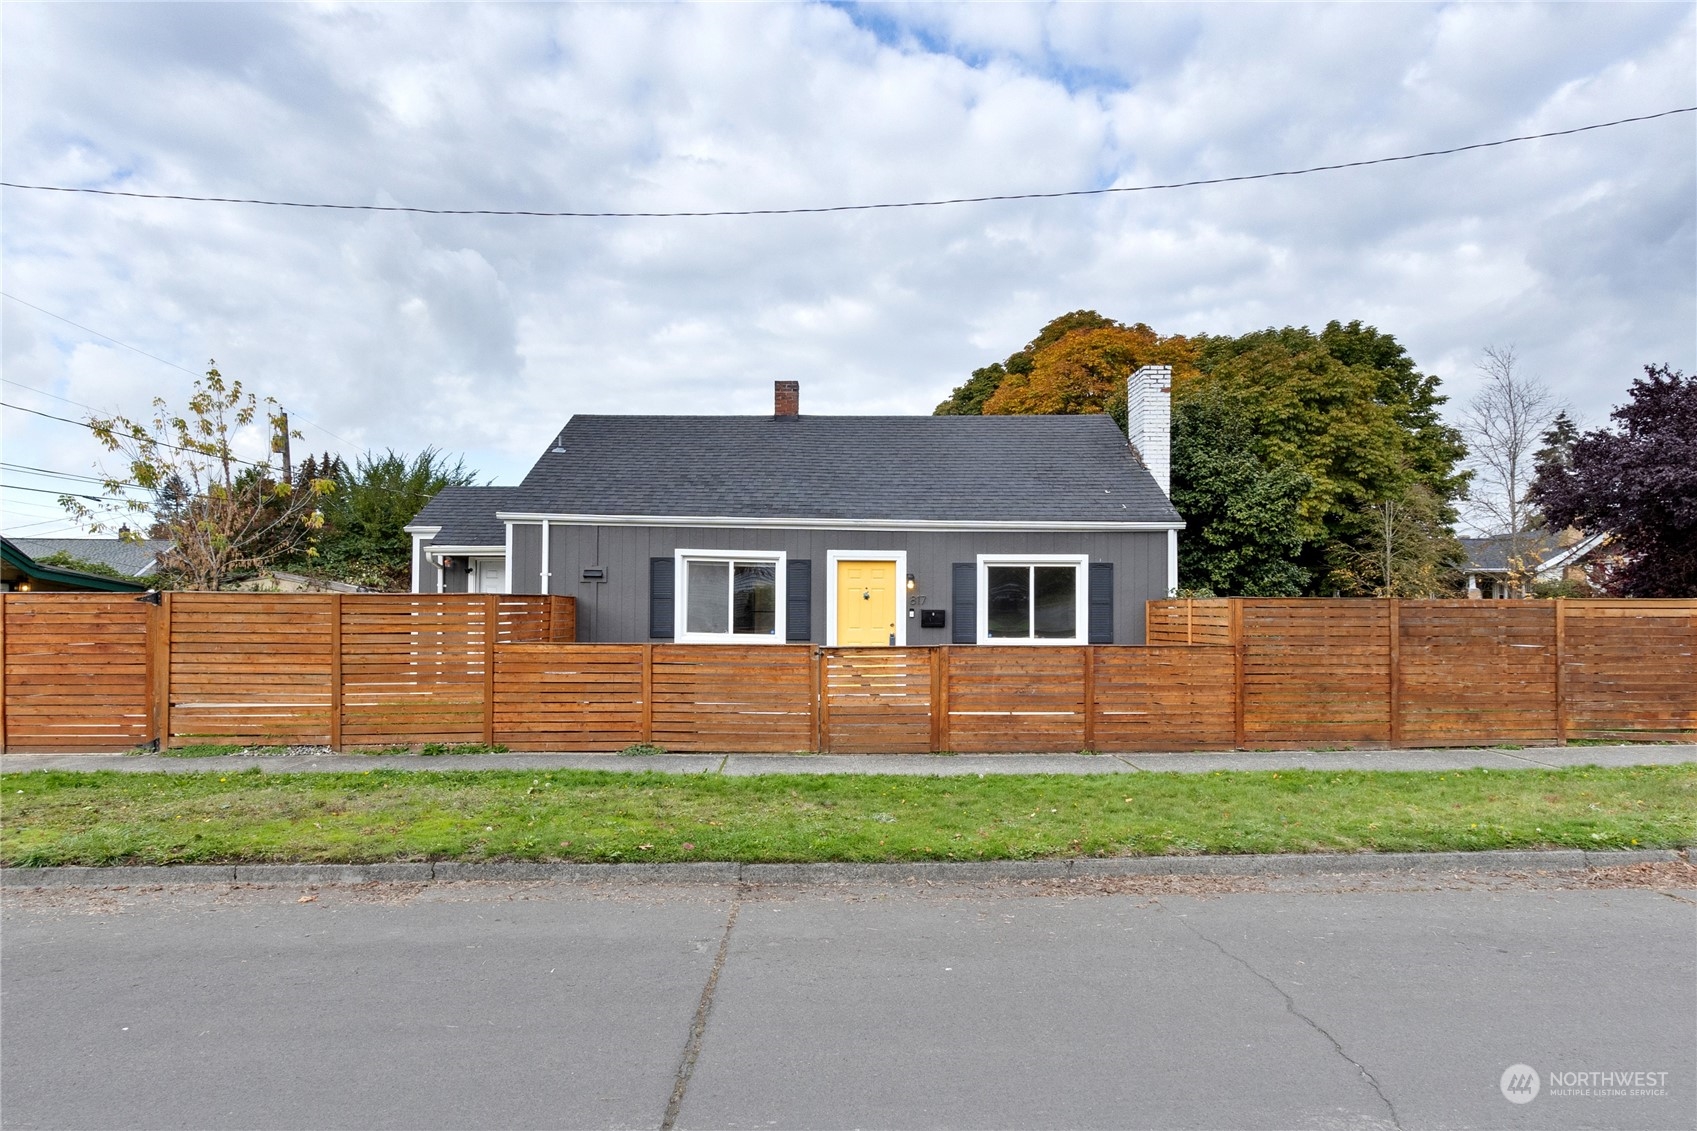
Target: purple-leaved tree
<point>1637,481</point>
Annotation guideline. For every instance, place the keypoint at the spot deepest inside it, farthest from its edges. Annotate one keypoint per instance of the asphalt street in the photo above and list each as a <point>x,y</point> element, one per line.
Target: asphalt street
<point>1160,1002</point>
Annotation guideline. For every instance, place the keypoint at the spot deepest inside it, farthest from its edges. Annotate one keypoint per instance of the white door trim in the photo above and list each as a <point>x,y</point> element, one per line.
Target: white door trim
<point>832,557</point>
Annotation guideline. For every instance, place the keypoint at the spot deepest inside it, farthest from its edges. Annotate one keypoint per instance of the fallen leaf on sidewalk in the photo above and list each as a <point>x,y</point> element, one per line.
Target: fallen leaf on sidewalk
<point>312,898</point>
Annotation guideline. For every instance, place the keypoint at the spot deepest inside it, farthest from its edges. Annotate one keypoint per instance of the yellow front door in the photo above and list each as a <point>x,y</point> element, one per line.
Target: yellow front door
<point>866,604</point>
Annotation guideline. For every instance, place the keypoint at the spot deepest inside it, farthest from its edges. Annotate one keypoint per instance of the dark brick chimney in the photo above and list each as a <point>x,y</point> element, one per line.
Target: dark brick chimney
<point>786,398</point>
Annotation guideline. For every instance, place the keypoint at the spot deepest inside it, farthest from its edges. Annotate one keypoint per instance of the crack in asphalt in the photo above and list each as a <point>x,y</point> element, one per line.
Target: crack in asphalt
<point>698,1025</point>
<point>1290,1007</point>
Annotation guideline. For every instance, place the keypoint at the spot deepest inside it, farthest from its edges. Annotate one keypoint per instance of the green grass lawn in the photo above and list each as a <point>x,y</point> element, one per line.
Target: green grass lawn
<point>51,817</point>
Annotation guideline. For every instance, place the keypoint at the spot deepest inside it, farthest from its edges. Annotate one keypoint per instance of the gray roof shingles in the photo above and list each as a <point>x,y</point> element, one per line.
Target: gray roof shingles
<point>466,516</point>
<point>132,559</point>
<point>911,468</point>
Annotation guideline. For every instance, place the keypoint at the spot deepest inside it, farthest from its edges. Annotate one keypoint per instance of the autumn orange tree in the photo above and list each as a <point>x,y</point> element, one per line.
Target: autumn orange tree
<point>1077,364</point>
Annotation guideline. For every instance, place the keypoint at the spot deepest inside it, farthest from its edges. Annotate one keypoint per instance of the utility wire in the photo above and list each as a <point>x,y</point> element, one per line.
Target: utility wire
<point>45,393</point>
<point>847,207</point>
<point>69,475</point>
<point>97,334</point>
<point>127,346</point>
<point>61,494</point>
<point>155,443</point>
<point>51,474</point>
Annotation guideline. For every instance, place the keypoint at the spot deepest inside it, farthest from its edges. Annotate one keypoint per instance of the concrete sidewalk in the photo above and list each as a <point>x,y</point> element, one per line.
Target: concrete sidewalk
<point>742,765</point>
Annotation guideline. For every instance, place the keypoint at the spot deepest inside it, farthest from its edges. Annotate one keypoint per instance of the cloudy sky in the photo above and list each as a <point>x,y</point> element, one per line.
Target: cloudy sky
<point>482,335</point>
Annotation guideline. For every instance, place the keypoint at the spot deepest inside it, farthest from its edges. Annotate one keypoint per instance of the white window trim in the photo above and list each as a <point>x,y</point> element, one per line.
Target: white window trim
<point>1081,612</point>
<point>832,557</point>
<point>680,596</point>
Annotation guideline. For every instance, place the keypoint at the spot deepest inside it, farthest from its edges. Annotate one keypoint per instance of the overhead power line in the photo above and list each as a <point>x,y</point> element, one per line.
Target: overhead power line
<point>45,393</point>
<point>156,443</point>
<point>50,474</point>
<point>61,494</point>
<point>97,334</point>
<point>847,207</point>
<point>126,345</point>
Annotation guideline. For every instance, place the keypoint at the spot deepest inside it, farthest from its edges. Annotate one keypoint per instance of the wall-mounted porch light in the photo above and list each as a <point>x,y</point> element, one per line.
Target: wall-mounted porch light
<point>911,583</point>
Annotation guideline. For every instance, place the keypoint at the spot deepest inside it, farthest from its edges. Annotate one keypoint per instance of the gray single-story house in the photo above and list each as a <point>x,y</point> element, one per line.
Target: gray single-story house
<point>834,530</point>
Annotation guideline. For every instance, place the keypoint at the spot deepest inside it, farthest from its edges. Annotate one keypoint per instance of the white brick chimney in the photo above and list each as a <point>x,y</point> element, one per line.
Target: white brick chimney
<point>1149,421</point>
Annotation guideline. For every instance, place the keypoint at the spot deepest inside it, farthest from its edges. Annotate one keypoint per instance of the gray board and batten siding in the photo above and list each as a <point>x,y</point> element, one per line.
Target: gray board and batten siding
<point>616,609</point>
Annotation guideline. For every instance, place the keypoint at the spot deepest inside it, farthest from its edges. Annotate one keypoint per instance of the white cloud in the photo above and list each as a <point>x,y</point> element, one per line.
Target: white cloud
<point>483,334</point>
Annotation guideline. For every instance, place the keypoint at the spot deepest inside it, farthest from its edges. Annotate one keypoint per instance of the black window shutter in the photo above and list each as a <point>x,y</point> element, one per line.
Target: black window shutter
<point>798,601</point>
<point>965,603</point>
<point>1101,602</point>
<point>662,587</point>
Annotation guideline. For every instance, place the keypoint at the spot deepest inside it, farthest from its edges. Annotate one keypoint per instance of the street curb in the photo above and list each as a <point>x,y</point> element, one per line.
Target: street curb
<point>1366,863</point>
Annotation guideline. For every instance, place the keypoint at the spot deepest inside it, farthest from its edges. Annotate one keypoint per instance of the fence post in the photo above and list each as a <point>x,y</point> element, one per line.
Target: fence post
<point>1190,620</point>
<point>935,656</point>
<point>1561,670</point>
<point>1090,698</point>
<point>336,672</point>
<point>821,688</point>
<point>824,718</point>
<point>1234,610</point>
<point>3,673</point>
<point>159,663</point>
<point>647,693</point>
<point>940,700</point>
<point>1394,674</point>
<point>490,615</point>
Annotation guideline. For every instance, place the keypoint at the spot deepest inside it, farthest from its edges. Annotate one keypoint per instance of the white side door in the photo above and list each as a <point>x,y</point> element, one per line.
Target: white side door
<point>488,575</point>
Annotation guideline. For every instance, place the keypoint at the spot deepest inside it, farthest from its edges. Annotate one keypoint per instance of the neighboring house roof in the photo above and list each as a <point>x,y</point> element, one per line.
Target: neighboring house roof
<point>132,559</point>
<point>988,469</point>
<point>1543,551</point>
<point>18,567</point>
<point>466,516</point>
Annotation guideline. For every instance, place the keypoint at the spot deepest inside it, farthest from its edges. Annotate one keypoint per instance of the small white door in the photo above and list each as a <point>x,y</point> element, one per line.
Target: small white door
<point>488,575</point>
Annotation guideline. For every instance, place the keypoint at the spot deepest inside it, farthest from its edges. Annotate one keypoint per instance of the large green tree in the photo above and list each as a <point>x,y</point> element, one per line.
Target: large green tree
<point>363,540</point>
<point>1292,450</point>
<point>1348,409</point>
<point>1243,536</point>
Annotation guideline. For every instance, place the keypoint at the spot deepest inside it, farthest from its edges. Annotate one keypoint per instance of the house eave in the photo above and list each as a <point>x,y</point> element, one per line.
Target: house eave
<point>439,552</point>
<point>914,524</point>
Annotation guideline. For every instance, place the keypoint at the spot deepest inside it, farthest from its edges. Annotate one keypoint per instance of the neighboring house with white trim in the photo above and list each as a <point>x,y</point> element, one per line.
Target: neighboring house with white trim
<point>1544,556</point>
<point>135,559</point>
<point>835,530</point>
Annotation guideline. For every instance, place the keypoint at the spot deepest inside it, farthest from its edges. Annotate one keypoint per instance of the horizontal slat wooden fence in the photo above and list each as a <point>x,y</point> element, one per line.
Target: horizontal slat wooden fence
<point>110,671</point>
<point>1448,673</point>
<point>113,671</point>
<point>77,672</point>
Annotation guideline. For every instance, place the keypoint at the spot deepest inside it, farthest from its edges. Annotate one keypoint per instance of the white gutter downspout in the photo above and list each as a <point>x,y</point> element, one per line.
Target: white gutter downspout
<point>1172,563</point>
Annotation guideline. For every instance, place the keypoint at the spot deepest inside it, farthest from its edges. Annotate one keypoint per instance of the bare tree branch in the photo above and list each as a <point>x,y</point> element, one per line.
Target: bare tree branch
<point>1504,424</point>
